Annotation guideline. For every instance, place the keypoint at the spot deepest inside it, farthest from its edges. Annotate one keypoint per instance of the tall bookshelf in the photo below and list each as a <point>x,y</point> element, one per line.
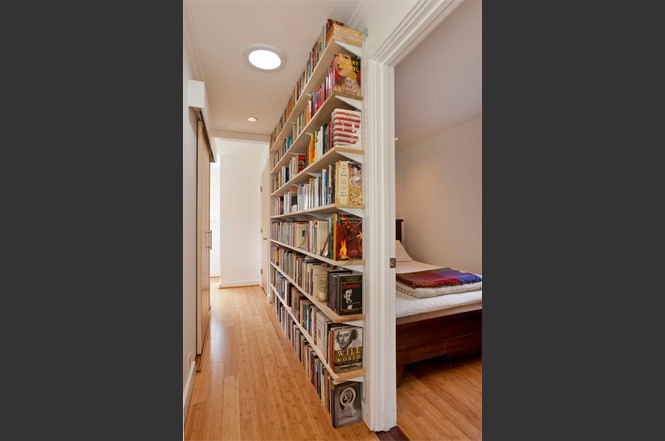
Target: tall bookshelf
<point>298,198</point>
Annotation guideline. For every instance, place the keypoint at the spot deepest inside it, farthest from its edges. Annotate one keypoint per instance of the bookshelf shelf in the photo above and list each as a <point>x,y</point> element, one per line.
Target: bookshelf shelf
<point>355,264</point>
<point>357,210</point>
<point>332,315</point>
<point>333,155</point>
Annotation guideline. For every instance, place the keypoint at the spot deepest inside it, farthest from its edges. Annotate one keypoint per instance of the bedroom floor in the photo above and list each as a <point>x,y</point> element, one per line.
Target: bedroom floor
<point>441,399</point>
<point>239,393</point>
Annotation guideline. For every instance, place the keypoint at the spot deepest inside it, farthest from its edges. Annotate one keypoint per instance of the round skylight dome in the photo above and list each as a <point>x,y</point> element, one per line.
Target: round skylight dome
<point>264,57</point>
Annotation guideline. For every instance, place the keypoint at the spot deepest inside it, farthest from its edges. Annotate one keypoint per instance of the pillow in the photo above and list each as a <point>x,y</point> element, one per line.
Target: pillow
<point>400,253</point>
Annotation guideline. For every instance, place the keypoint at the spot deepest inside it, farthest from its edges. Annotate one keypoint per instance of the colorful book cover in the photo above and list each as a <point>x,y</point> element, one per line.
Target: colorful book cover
<point>348,237</point>
<point>347,349</point>
<point>355,183</point>
<point>346,74</point>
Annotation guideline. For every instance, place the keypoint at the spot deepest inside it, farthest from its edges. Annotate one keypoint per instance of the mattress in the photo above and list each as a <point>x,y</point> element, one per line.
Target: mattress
<point>406,305</point>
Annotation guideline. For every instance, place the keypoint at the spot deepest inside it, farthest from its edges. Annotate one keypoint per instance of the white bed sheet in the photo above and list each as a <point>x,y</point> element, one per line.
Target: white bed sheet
<point>408,305</point>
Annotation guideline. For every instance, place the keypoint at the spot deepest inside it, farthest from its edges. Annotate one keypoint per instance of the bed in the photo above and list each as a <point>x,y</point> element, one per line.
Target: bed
<point>429,327</point>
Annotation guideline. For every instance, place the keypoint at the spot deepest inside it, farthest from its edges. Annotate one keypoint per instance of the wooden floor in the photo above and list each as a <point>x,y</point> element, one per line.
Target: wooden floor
<point>252,387</point>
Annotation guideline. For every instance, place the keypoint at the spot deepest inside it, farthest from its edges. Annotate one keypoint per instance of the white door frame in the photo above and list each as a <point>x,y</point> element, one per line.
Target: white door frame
<point>380,394</point>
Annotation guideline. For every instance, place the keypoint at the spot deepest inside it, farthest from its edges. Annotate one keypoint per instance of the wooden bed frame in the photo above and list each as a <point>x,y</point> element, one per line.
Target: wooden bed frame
<point>453,331</point>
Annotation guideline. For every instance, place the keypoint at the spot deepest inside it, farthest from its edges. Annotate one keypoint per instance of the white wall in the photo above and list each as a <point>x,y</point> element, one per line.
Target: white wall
<point>214,219</point>
<point>188,235</point>
<point>438,193</point>
<point>240,166</point>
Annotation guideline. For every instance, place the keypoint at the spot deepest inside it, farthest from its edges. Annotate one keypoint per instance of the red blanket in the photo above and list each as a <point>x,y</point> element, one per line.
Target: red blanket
<point>437,277</point>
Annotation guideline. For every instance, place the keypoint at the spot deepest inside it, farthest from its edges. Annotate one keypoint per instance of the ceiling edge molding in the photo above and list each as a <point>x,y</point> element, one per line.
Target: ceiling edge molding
<point>421,20</point>
<point>189,37</point>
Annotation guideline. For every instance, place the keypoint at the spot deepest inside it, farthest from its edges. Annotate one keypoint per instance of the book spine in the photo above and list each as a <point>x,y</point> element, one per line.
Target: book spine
<point>342,190</point>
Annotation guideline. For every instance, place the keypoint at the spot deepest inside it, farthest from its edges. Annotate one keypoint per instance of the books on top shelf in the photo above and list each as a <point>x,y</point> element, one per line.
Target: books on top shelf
<point>341,32</point>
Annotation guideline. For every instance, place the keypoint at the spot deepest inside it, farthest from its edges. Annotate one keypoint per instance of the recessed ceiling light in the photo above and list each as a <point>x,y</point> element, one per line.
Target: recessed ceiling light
<point>252,119</point>
<point>264,57</point>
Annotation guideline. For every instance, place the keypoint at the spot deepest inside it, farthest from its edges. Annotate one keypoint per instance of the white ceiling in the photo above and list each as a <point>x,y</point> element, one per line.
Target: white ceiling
<point>437,86</point>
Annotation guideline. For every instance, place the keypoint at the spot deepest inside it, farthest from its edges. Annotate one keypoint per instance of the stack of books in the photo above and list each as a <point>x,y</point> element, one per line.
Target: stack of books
<point>340,32</point>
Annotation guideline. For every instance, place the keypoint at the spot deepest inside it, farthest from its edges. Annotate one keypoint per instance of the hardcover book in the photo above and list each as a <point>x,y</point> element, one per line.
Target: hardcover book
<point>345,408</point>
<point>332,285</point>
<point>346,342</point>
<point>348,236</point>
<point>346,78</point>
<point>349,294</point>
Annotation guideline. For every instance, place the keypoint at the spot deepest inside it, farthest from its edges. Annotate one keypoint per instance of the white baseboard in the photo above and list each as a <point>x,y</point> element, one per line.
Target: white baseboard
<point>187,394</point>
<point>238,283</point>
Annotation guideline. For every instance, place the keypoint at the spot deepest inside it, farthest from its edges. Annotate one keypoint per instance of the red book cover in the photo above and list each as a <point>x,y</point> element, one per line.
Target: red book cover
<point>348,237</point>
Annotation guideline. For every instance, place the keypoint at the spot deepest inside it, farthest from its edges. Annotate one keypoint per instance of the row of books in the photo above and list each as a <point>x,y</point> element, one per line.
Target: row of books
<point>287,172</point>
<point>340,343</point>
<point>339,288</point>
<point>344,236</point>
<point>279,153</point>
<point>344,131</point>
<point>340,183</point>
<point>331,29</point>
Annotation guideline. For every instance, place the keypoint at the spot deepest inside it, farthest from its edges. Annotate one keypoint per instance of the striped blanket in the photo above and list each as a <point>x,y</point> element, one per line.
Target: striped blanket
<point>438,277</point>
